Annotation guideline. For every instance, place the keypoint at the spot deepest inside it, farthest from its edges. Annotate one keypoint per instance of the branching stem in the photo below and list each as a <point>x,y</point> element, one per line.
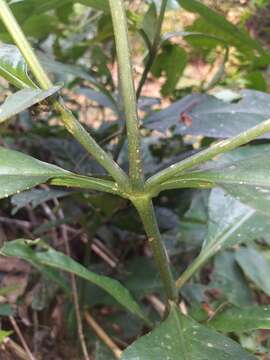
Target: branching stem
<point>208,154</point>
<point>70,122</point>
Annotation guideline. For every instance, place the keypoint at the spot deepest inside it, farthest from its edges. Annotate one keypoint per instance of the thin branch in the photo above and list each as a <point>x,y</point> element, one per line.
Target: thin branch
<point>74,288</point>
<point>22,340</point>
<point>205,155</point>
<point>103,336</point>
<point>16,349</point>
<point>157,304</point>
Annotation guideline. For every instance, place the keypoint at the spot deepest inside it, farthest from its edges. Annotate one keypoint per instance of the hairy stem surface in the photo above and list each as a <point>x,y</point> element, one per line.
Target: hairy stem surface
<point>128,91</point>
<point>148,217</point>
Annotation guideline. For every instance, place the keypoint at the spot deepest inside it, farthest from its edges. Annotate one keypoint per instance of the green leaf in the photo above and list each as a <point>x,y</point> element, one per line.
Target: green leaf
<point>238,37</point>
<point>256,267</point>
<point>57,260</point>
<point>182,338</point>
<point>4,334</point>
<point>23,100</point>
<point>6,310</point>
<point>248,166</point>
<point>149,23</point>
<point>211,116</point>
<point>13,67</point>
<point>228,277</point>
<point>230,223</point>
<point>256,197</point>
<point>242,319</point>
<point>40,26</point>
<point>67,72</point>
<point>20,172</point>
<point>243,173</point>
<point>172,62</point>
<point>96,4</point>
<point>35,197</point>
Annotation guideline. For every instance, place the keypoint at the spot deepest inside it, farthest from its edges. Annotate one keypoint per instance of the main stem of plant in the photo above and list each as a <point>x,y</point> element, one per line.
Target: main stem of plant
<point>135,185</point>
<point>141,199</point>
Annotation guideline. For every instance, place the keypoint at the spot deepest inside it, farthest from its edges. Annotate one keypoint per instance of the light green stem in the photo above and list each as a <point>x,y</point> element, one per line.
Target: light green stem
<point>70,122</point>
<point>128,92</point>
<point>148,217</point>
<point>205,155</point>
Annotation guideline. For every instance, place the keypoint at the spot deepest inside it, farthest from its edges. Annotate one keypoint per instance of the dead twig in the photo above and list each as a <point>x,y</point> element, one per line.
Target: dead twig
<point>74,289</point>
<point>103,336</point>
<point>16,349</point>
<point>157,304</point>
<point>22,340</point>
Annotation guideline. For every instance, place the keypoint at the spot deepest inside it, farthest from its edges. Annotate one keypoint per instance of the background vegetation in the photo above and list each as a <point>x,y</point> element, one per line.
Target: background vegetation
<point>206,82</point>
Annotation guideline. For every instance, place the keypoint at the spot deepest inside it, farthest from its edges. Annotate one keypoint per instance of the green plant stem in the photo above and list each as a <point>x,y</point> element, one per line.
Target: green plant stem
<point>191,270</point>
<point>128,91</point>
<point>70,122</point>
<point>154,48</point>
<point>205,155</point>
<point>87,182</point>
<point>146,211</point>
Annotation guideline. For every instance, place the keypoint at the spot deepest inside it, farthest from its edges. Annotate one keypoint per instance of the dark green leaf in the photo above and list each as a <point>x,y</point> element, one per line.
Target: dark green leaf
<point>228,278</point>
<point>212,117</point>
<point>40,26</point>
<point>231,222</point>
<point>171,62</point>
<point>20,172</point>
<point>182,338</point>
<point>96,4</point>
<point>6,310</point>
<point>36,197</point>
<point>149,23</point>
<point>256,267</point>
<point>238,37</point>
<point>57,260</point>
<point>242,319</point>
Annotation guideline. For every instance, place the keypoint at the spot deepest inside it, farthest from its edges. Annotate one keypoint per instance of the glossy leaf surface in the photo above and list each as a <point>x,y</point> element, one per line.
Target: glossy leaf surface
<point>181,338</point>
<point>13,67</point>
<point>20,172</point>
<point>23,100</point>
<point>231,222</point>
<point>242,319</point>
<point>255,266</point>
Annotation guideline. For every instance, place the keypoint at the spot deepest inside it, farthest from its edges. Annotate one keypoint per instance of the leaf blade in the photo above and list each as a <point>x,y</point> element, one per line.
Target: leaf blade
<point>13,67</point>
<point>23,100</point>
<point>57,260</point>
<point>179,337</point>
